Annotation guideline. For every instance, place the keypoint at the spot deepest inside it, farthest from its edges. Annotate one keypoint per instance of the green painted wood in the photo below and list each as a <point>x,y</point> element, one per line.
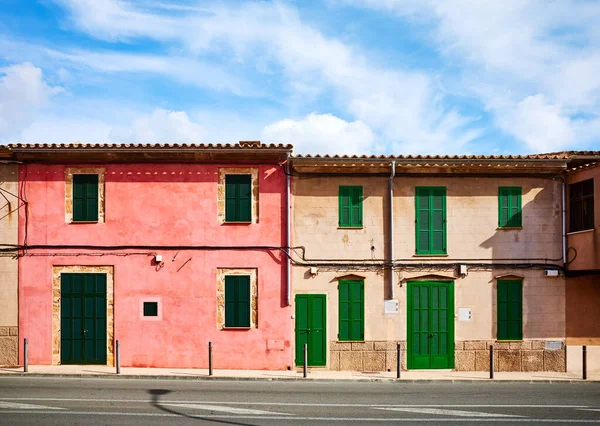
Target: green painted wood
<point>509,207</point>
<point>350,206</point>
<point>150,309</point>
<point>83,319</point>
<point>430,318</point>
<point>238,198</point>
<point>430,218</point>
<point>351,309</point>
<point>311,328</point>
<point>85,198</point>
<point>237,301</point>
<point>510,310</point>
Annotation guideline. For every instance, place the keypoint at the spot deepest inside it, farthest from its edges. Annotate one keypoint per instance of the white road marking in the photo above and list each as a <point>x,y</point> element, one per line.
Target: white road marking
<point>293,404</point>
<point>312,419</point>
<point>589,409</point>
<point>21,406</point>
<point>441,412</point>
<point>224,409</point>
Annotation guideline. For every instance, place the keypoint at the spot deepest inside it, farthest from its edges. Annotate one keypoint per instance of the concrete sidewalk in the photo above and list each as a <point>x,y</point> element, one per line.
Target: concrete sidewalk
<point>313,374</point>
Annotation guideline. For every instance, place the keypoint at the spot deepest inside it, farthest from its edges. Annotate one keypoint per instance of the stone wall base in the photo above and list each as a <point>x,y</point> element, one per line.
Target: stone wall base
<point>9,346</point>
<point>526,355</point>
<point>469,355</point>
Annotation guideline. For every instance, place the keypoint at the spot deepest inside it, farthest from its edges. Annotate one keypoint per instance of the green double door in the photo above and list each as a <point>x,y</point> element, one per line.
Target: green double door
<point>83,319</point>
<point>430,306</point>
<point>311,317</point>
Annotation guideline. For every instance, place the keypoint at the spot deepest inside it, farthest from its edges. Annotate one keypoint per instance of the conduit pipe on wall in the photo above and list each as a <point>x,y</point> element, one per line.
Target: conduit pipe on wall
<point>288,206</point>
<point>564,223</point>
<point>391,217</point>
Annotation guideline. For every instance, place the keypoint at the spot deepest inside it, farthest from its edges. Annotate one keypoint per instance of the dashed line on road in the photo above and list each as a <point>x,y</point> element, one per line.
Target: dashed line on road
<point>224,409</point>
<point>444,412</point>
<point>21,406</point>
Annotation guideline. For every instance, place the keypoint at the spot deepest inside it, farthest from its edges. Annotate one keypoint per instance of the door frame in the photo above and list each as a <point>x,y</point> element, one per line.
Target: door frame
<point>409,322</point>
<point>310,296</point>
<point>56,307</point>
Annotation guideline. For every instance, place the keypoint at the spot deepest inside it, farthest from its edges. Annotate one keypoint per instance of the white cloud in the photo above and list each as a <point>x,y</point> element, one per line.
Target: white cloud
<point>321,134</point>
<point>401,105</point>
<point>23,92</point>
<point>161,126</point>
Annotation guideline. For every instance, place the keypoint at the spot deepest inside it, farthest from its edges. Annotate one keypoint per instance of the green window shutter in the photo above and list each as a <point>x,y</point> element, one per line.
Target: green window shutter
<point>351,310</point>
<point>350,206</point>
<point>85,198</point>
<point>430,220</point>
<point>510,310</point>
<point>238,198</point>
<point>237,301</point>
<point>509,207</point>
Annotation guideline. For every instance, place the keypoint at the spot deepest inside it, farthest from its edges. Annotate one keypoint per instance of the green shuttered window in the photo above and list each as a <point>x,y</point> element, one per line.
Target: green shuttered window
<point>352,310</point>
<point>430,220</point>
<point>85,198</point>
<point>509,207</point>
<point>238,198</point>
<point>237,301</point>
<point>510,310</point>
<point>350,198</point>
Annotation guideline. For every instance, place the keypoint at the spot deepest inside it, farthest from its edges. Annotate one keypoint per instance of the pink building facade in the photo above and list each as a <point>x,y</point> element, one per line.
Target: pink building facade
<point>165,263</point>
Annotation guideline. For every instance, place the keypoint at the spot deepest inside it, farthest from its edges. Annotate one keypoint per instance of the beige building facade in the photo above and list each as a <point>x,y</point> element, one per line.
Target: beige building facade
<point>441,306</point>
<point>9,217</point>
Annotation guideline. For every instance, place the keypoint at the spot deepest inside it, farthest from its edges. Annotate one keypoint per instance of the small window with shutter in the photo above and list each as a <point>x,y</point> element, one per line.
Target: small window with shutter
<point>238,198</point>
<point>510,310</point>
<point>350,212</point>
<point>430,206</point>
<point>237,301</point>
<point>351,310</point>
<point>509,207</point>
<point>85,198</point>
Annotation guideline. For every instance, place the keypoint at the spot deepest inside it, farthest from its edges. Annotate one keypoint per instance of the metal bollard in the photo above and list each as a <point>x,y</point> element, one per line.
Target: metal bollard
<point>210,367</point>
<point>584,362</point>
<point>491,361</point>
<point>25,355</point>
<point>118,356</point>
<point>305,359</point>
<point>398,361</point>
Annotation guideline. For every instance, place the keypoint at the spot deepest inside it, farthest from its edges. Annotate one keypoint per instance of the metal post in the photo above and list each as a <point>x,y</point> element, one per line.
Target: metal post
<point>584,362</point>
<point>210,369</point>
<point>118,357</point>
<point>305,359</point>
<point>26,355</point>
<point>491,361</point>
<point>398,361</point>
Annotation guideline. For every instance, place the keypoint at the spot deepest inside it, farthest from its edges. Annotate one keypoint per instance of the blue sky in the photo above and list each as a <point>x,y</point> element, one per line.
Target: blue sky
<point>331,76</point>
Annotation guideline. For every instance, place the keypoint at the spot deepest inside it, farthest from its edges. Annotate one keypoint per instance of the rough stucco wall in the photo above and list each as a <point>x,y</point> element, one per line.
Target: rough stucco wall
<point>8,265</point>
<point>472,208</point>
<point>587,243</point>
<point>163,205</point>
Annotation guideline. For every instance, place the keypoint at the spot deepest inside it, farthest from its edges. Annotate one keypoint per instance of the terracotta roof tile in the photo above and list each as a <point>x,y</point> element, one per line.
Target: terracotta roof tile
<point>125,146</point>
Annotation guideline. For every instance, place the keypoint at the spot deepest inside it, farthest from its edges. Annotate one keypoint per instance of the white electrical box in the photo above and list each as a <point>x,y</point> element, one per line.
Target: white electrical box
<point>158,258</point>
<point>551,273</point>
<point>464,314</point>
<point>462,269</point>
<point>391,307</point>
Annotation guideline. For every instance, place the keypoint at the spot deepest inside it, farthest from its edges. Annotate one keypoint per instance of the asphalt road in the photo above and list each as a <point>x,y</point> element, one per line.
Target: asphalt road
<point>70,401</point>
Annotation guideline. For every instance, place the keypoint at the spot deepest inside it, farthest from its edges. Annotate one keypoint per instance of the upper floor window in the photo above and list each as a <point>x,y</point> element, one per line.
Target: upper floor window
<point>238,198</point>
<point>581,205</point>
<point>85,198</point>
<point>430,203</point>
<point>509,207</point>
<point>350,212</point>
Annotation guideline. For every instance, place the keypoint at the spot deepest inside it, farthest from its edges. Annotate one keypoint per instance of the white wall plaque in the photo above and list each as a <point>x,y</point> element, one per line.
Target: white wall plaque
<point>464,314</point>
<point>391,306</point>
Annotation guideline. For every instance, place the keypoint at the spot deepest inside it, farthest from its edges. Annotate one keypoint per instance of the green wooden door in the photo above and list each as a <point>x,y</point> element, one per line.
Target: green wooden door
<point>83,319</point>
<point>430,324</point>
<point>311,328</point>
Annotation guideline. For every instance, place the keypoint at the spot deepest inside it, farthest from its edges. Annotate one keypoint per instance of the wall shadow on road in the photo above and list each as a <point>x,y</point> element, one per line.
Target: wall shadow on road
<point>157,393</point>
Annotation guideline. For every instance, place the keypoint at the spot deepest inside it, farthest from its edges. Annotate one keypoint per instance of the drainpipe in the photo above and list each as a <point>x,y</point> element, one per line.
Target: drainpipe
<point>564,223</point>
<point>391,239</point>
<point>288,238</point>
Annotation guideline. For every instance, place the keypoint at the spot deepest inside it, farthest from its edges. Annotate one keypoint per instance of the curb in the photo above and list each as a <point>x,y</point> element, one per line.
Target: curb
<point>290,379</point>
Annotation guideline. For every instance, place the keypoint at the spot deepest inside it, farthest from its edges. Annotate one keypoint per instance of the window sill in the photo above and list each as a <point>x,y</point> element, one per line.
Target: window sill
<point>581,232</point>
<point>84,221</point>
<point>430,255</point>
<point>245,222</point>
<point>350,227</point>
<point>508,228</point>
<point>236,328</point>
